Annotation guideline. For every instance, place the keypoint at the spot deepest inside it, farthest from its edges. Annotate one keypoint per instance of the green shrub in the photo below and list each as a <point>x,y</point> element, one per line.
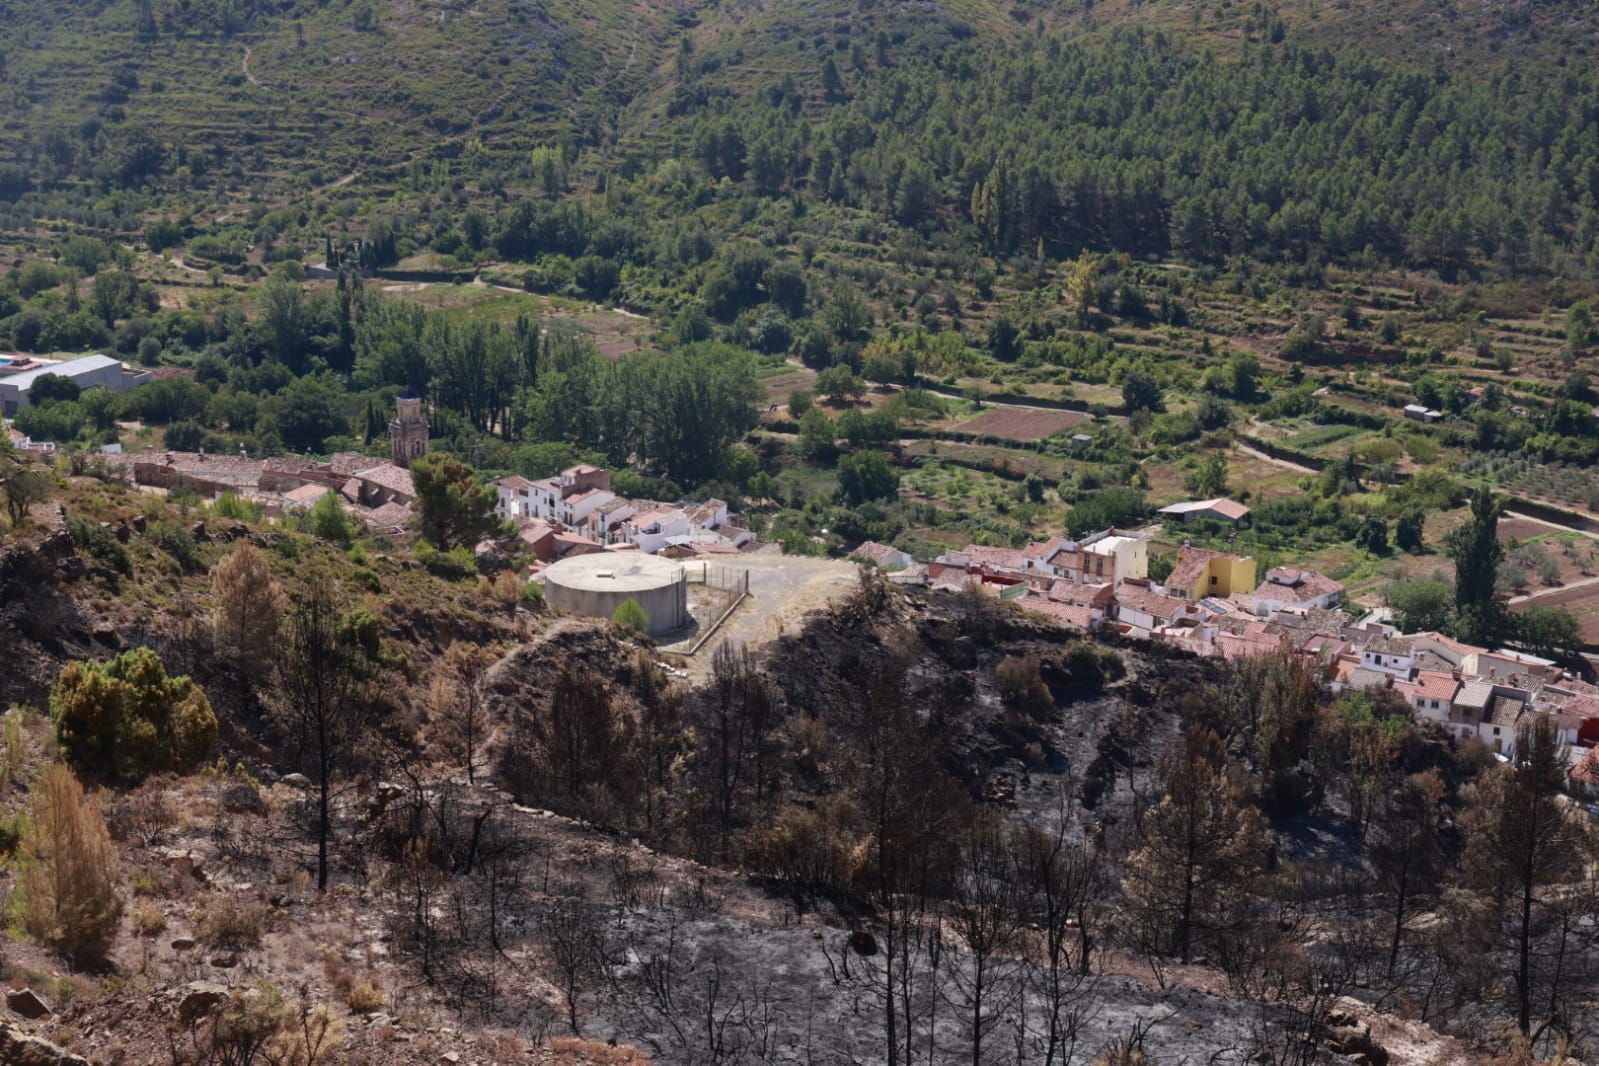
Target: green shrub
<point>101,543</point>
<point>177,542</point>
<point>128,719</point>
<point>630,614</point>
<point>453,565</point>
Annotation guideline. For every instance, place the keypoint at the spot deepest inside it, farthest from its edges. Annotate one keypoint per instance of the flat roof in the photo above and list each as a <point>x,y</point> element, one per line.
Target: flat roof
<point>70,369</point>
<point>614,572</point>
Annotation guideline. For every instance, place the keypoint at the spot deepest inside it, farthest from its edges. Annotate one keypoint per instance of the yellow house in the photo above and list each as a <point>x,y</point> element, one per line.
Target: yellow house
<point>1200,573</point>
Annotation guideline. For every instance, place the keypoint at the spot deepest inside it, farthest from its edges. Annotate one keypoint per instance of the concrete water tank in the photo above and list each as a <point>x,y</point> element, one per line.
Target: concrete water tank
<point>597,584</point>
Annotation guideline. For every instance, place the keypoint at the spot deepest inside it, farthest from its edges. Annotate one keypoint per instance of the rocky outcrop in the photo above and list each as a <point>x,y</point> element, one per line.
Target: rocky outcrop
<point>19,1049</point>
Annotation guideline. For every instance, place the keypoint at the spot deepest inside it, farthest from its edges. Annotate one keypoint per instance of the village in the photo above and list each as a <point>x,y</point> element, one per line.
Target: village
<point>1211,604</point>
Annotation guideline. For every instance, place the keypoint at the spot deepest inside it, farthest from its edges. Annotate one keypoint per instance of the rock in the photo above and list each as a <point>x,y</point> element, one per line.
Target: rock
<point>863,944</point>
<point>19,1049</point>
<point>199,999</point>
<point>1350,1036</point>
<point>226,961</point>
<point>107,634</point>
<point>26,1002</point>
<point>450,1056</point>
<point>296,780</point>
<point>183,943</point>
<point>379,1019</point>
<point>242,798</point>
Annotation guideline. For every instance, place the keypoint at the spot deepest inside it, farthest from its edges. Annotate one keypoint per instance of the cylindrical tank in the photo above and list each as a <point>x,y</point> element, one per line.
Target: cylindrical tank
<point>597,584</point>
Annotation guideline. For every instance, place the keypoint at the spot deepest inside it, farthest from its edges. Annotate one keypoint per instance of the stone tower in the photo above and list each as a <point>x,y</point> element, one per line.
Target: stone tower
<point>408,432</point>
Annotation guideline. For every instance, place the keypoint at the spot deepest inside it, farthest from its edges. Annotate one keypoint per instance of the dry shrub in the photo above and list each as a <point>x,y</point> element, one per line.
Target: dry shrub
<point>250,604</point>
<point>144,817</point>
<point>229,923</point>
<point>811,851</point>
<point>68,878</point>
<point>259,1025</point>
<point>1021,685</point>
<point>578,1049</point>
<point>148,919</point>
<point>364,997</point>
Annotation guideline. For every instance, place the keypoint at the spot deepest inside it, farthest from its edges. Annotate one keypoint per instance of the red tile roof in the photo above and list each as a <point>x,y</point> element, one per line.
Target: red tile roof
<point>395,479</point>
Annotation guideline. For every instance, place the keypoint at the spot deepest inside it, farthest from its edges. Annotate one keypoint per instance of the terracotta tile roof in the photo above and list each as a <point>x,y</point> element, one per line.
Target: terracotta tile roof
<point>1149,602</point>
<point>516,483</point>
<point>1432,685</point>
<point>387,476</point>
<point>881,554</point>
<point>1071,614</point>
<point>1004,558</point>
<point>390,516</point>
<point>1296,586</point>
<point>309,493</point>
<point>1191,564</point>
<point>1245,645</point>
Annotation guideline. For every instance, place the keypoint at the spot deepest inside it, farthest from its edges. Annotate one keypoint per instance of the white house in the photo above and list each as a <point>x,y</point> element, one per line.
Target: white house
<point>653,530</point>
<point>1391,655</point>
<point>1286,589</point>
<point>1219,509</point>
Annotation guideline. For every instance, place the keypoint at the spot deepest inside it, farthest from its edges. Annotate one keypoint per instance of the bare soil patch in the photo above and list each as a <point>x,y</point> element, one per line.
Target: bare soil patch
<point>1021,423</point>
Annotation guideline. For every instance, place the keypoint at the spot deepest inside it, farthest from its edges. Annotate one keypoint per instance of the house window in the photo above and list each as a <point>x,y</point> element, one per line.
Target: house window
<point>1212,579</point>
<point>1496,731</point>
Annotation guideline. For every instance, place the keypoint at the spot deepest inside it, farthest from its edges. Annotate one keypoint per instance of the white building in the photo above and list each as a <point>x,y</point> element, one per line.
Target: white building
<point>87,372</point>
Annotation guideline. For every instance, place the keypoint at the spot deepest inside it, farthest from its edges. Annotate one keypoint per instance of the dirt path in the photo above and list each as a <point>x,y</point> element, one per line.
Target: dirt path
<point>251,78</point>
<point>1273,460</point>
<point>1557,590</point>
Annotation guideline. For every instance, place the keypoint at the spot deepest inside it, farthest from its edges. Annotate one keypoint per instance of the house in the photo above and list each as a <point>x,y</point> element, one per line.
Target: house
<point>88,372</point>
<point>304,497</point>
<point>1113,555</point>
<point>540,539</point>
<point>1421,413</point>
<point>882,556</point>
<point>514,498</point>
<point>708,515</point>
<point>388,518</point>
<point>1431,694</point>
<point>1470,709</point>
<point>1391,655</point>
<point>1083,618</point>
<point>1081,440</point>
<point>1142,608</point>
<point>1199,574</point>
<point>1502,663</point>
<point>1286,589</point>
<point>551,498</point>
<point>381,484</point>
<point>651,531</point>
<point>1219,509</point>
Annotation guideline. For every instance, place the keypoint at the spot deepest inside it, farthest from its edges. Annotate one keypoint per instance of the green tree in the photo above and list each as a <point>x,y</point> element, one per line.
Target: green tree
<point>454,507</point>
<point>867,475</point>
<point>1477,553</point>
<point>1408,531</point>
<point>1141,392</point>
<point>1372,535</point>
<point>1551,632</point>
<point>1210,477</point>
<point>126,718</point>
<point>1422,605</point>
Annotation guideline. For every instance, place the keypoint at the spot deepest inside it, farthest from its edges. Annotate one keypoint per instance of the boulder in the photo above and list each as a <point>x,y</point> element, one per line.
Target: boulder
<point>296,781</point>
<point>199,999</point>
<point>19,1049</point>
<point>863,944</point>
<point>242,798</point>
<point>183,943</point>
<point>26,1002</point>
<point>1347,1034</point>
